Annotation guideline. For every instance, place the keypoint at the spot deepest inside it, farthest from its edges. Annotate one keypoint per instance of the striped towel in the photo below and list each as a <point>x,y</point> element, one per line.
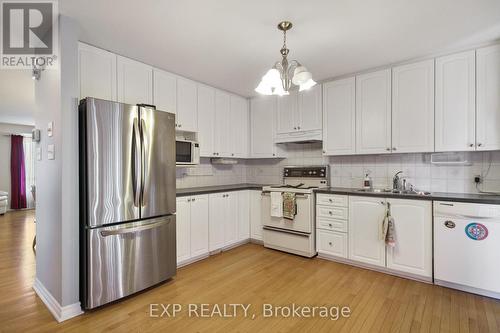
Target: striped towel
<point>388,232</point>
<point>289,205</point>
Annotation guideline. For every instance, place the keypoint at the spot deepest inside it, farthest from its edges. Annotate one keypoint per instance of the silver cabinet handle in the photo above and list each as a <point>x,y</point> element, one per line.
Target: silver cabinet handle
<point>295,128</point>
<point>180,125</point>
<point>298,127</point>
<point>479,144</point>
<point>393,148</point>
<point>122,231</point>
<point>324,151</point>
<point>193,200</point>
<point>330,225</point>
<point>388,149</point>
<point>471,145</point>
<point>189,200</point>
<point>330,243</point>
<point>330,200</point>
<point>330,212</point>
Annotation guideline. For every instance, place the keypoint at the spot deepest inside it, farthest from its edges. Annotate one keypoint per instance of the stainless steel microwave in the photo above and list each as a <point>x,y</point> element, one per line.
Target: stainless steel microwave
<point>187,152</point>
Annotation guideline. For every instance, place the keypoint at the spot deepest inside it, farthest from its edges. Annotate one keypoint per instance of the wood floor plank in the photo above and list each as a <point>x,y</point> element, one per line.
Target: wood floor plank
<point>249,274</point>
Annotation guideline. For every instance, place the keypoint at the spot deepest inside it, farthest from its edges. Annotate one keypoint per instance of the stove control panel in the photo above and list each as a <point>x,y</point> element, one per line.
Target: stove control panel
<point>306,172</point>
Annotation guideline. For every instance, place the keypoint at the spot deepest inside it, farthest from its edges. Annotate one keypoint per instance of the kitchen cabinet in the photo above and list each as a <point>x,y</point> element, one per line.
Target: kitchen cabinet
<point>135,81</point>
<point>373,113</point>
<point>97,72</point>
<point>206,120</point>
<point>164,91</point>
<point>262,128</point>
<point>339,126</point>
<point>243,215</point>
<point>413,107</point>
<point>366,215</point>
<point>299,116</point>
<point>223,217</point>
<point>456,102</point>
<point>192,228</point>
<point>413,227</point>
<point>238,127</point>
<point>332,213</point>
<point>255,215</point>
<point>488,98</point>
<point>222,124</point>
<point>187,105</point>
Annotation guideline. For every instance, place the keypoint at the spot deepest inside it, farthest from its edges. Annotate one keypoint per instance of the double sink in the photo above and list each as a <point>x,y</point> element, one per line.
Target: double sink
<point>391,191</point>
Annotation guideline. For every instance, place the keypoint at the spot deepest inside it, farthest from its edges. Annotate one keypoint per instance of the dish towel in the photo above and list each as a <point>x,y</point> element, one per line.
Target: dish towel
<point>388,232</point>
<point>289,205</point>
<point>276,204</point>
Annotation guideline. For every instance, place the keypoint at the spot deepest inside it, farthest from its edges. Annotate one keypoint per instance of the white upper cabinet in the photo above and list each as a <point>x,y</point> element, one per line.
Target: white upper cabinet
<point>310,109</point>
<point>339,126</point>
<point>262,127</point>
<point>287,119</point>
<point>222,124</point>
<point>373,113</point>
<point>164,91</point>
<point>413,107</point>
<point>239,127</point>
<point>206,120</point>
<point>97,71</point>
<point>456,102</point>
<point>187,105</point>
<point>135,81</point>
<point>488,98</point>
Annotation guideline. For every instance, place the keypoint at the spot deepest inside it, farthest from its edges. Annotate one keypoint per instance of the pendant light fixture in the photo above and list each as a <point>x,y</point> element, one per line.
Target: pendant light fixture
<point>279,79</point>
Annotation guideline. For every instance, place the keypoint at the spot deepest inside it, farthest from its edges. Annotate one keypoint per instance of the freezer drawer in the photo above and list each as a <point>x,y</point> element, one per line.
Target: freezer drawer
<point>127,258</point>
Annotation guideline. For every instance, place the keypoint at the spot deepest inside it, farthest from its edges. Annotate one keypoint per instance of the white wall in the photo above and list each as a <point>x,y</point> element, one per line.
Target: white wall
<point>5,152</point>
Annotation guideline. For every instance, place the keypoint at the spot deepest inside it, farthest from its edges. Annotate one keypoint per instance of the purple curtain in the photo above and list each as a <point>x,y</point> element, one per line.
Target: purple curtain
<point>17,173</point>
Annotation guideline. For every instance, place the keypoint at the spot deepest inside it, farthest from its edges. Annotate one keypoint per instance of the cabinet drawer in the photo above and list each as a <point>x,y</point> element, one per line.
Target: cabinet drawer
<point>332,224</point>
<point>332,243</point>
<point>332,212</point>
<point>332,199</point>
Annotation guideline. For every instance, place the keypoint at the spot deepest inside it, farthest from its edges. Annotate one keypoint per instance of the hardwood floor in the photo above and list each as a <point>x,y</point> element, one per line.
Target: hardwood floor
<point>249,274</point>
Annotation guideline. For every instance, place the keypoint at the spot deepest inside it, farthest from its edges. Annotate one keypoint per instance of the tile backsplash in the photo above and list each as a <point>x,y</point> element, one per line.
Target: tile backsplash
<point>348,171</point>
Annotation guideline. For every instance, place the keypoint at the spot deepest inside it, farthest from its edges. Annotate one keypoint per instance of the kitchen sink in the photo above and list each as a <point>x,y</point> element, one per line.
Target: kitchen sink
<point>386,191</point>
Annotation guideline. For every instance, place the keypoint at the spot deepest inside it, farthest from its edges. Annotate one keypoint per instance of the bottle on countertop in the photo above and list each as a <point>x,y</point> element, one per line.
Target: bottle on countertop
<point>367,183</point>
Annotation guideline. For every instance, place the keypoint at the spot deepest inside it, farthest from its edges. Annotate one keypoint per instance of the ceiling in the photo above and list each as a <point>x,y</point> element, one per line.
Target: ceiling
<point>17,97</point>
<point>231,43</point>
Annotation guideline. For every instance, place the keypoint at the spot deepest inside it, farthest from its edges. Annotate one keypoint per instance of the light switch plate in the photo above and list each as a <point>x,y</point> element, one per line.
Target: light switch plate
<point>38,153</point>
<point>51,152</point>
<point>50,128</point>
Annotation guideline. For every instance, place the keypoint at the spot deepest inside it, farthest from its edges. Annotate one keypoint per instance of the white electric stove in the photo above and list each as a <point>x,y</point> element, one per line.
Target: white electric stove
<point>295,235</point>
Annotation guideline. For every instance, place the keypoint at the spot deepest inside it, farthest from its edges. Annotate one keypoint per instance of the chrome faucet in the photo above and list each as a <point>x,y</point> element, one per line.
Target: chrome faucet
<point>396,181</point>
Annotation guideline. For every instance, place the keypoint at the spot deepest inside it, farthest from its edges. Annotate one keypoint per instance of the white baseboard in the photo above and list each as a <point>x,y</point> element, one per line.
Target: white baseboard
<point>60,313</point>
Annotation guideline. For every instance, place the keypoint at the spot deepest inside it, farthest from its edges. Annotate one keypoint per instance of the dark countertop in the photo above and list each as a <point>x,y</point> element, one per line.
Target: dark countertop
<point>182,192</point>
<point>437,196</point>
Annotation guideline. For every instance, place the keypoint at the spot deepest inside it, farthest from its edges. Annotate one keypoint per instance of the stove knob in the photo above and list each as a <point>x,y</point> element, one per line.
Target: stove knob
<point>310,172</point>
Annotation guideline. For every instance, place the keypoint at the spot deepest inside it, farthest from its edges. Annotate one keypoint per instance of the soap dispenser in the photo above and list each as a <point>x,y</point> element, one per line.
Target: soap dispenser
<point>367,183</point>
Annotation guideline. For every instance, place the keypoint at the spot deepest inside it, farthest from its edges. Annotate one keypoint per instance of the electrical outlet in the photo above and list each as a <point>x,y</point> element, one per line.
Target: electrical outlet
<point>478,179</point>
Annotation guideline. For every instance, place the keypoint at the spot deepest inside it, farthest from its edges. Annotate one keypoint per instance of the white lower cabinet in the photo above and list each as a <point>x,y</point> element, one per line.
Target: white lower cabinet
<point>413,226</point>
<point>332,243</point>
<point>192,227</point>
<point>365,217</point>
<point>332,213</point>
<point>255,215</point>
<point>224,220</point>
<point>243,215</point>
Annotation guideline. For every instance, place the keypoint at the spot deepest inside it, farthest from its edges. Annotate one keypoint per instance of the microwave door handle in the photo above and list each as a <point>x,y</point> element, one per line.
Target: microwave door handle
<point>145,151</point>
<point>136,164</point>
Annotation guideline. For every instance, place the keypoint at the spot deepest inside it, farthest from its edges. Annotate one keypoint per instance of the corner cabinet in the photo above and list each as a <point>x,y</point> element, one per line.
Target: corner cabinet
<point>206,120</point>
<point>187,105</point>
<point>413,107</point>
<point>165,91</point>
<point>135,81</point>
<point>97,72</point>
<point>339,118</point>
<point>262,128</point>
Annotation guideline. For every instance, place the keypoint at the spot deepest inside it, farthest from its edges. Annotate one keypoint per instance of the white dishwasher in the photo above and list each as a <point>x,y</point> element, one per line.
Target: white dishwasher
<point>467,247</point>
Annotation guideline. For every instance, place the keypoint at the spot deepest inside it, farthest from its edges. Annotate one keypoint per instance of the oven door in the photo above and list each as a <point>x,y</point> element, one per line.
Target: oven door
<point>303,221</point>
<point>184,152</point>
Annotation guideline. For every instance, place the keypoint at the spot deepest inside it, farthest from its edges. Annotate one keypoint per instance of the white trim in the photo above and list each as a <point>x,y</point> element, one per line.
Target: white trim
<point>60,313</point>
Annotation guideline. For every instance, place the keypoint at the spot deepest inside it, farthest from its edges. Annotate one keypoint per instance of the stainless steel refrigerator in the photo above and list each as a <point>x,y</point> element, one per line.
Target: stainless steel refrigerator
<point>127,199</point>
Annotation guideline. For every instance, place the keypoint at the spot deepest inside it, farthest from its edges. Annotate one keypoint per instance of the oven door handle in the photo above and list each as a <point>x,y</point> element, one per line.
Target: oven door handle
<point>298,233</point>
<point>299,195</point>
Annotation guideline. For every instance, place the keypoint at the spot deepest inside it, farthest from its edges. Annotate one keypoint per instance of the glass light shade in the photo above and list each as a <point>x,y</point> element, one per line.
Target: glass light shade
<point>264,89</point>
<point>307,85</point>
<point>272,78</point>
<point>301,75</point>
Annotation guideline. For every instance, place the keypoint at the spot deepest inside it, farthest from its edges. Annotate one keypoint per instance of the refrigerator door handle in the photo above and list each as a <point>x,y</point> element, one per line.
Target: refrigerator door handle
<point>137,164</point>
<point>122,231</point>
<point>145,152</point>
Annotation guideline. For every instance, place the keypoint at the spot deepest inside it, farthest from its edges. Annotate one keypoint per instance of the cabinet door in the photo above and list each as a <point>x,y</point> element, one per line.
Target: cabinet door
<point>339,126</point>
<point>97,72</point>
<point>165,91</point>
<point>183,229</point>
<point>373,113</point>
<point>239,127</point>
<point>206,120</point>
<point>222,124</point>
<point>456,102</point>
<point>187,105</point>
<point>413,228</point>
<point>243,215</point>
<point>231,210</point>
<point>262,110</point>
<point>255,215</point>
<point>135,81</point>
<point>413,107</point>
<point>199,225</point>
<point>488,98</point>
<point>286,116</point>
<point>310,110</point>
<point>216,220</point>
<point>366,215</point>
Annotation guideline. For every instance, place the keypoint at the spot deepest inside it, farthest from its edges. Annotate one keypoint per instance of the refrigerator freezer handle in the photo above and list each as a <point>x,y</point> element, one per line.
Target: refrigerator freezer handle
<point>137,164</point>
<point>122,231</point>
